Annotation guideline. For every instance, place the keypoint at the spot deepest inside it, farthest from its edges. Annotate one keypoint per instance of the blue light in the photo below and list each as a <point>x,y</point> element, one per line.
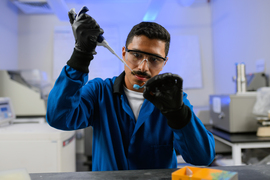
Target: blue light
<point>150,16</point>
<point>153,10</point>
<point>226,100</point>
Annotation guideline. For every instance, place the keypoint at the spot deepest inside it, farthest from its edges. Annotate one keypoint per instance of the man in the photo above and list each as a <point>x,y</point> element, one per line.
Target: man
<point>133,127</point>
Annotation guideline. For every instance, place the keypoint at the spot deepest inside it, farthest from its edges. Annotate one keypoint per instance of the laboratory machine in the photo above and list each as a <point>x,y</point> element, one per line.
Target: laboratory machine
<point>256,81</point>
<point>27,89</point>
<point>33,145</point>
<point>233,113</point>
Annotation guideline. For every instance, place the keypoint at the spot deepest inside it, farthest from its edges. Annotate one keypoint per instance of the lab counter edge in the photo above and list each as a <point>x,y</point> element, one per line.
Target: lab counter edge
<point>244,172</point>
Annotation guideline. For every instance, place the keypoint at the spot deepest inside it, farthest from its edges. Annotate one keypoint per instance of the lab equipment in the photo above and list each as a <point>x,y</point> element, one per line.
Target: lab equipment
<point>101,40</point>
<point>241,82</point>
<point>34,146</point>
<point>85,31</point>
<point>104,43</point>
<point>136,86</point>
<point>6,111</point>
<point>249,82</point>
<point>27,89</point>
<point>262,104</point>
<point>15,174</point>
<point>233,113</point>
<point>256,81</point>
<point>264,128</point>
<point>33,79</point>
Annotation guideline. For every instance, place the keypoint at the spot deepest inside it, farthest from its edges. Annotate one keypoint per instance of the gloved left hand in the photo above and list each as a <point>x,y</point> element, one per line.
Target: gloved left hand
<point>165,92</point>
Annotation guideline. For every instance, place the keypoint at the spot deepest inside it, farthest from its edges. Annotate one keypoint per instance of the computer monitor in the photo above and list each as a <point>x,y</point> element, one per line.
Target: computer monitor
<point>7,114</point>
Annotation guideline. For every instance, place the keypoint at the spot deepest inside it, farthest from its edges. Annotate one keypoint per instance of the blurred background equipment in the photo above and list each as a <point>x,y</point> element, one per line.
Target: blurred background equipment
<point>233,113</point>
<point>256,81</point>
<point>27,89</point>
<point>33,144</point>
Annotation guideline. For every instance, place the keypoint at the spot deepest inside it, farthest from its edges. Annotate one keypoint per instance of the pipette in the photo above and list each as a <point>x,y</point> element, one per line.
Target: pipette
<point>102,42</point>
<point>137,86</point>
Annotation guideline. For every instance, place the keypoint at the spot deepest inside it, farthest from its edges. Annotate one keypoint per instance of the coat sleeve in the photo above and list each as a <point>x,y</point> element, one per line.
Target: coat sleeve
<point>193,141</point>
<point>66,107</point>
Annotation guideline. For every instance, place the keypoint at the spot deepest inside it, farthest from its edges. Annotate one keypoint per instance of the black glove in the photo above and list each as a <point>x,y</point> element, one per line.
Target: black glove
<point>86,31</point>
<point>165,91</point>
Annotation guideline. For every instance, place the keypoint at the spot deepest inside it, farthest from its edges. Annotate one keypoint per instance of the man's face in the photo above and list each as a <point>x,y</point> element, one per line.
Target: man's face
<point>143,44</point>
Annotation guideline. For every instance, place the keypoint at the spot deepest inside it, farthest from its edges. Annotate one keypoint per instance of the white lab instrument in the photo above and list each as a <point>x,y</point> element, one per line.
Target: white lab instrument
<point>7,114</point>
<point>27,89</point>
<point>34,146</point>
<point>14,174</point>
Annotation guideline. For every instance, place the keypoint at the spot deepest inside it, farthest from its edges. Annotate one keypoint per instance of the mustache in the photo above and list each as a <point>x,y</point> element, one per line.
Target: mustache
<point>140,73</point>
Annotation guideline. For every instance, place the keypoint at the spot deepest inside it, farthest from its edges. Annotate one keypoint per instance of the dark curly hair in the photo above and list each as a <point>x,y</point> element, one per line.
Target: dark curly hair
<point>151,30</point>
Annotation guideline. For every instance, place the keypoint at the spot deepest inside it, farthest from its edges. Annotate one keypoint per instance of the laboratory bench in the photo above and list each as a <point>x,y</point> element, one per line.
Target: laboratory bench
<point>239,141</point>
<point>250,172</point>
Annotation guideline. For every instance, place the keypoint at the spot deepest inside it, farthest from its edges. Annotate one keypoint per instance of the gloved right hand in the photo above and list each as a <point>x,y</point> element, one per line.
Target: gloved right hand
<point>85,30</point>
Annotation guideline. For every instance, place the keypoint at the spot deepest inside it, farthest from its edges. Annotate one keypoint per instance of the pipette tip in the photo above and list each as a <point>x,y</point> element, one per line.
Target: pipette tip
<point>136,86</point>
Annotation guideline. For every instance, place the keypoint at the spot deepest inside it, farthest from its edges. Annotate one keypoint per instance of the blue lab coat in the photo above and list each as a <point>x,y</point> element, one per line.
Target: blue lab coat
<point>119,142</point>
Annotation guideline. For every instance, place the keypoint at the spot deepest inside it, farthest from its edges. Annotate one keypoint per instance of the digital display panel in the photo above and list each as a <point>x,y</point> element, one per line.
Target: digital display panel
<point>5,111</point>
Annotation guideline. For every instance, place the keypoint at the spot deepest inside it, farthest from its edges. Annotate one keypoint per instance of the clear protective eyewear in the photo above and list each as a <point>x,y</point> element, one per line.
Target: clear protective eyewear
<point>137,57</point>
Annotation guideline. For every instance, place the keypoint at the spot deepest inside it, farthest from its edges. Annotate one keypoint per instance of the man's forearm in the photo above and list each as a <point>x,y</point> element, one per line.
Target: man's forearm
<point>64,98</point>
<point>195,143</point>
